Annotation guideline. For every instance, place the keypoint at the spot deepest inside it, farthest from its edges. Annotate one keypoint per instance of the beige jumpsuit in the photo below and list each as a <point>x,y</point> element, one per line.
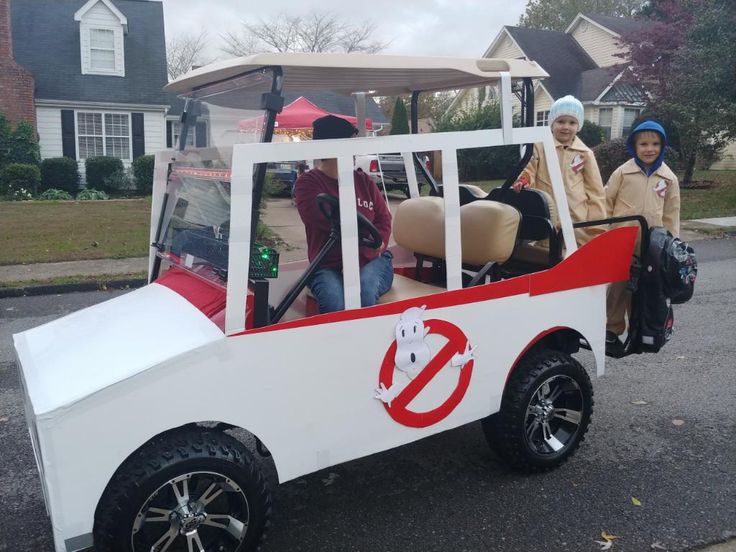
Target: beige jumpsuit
<point>657,198</point>
<point>585,196</point>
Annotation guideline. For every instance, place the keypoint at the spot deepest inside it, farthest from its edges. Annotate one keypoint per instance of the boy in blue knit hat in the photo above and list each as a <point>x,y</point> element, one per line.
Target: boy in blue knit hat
<point>580,174</point>
<point>646,186</point>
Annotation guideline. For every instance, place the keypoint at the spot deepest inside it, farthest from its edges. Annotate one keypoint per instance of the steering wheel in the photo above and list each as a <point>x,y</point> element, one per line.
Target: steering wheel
<point>330,208</point>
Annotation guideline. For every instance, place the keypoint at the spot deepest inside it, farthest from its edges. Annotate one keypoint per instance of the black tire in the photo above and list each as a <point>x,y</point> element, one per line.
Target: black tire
<point>225,504</point>
<point>538,428</point>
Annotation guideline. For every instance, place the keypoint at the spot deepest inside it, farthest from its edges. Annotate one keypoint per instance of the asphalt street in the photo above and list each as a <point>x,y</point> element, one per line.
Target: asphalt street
<point>663,433</point>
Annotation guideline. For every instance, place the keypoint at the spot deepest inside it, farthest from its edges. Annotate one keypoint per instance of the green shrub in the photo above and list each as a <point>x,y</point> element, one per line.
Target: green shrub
<point>119,183</point>
<point>6,134</point>
<point>610,155</point>
<point>60,173</point>
<point>143,172</point>
<point>90,193</point>
<point>19,180</point>
<point>54,194</point>
<point>24,145</point>
<point>100,168</point>
<point>591,134</point>
<point>480,163</point>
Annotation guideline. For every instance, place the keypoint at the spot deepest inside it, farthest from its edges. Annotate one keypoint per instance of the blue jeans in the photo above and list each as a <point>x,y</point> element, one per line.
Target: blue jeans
<point>376,278</point>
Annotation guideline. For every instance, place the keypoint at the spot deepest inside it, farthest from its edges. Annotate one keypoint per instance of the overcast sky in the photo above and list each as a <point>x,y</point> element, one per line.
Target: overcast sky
<point>462,28</point>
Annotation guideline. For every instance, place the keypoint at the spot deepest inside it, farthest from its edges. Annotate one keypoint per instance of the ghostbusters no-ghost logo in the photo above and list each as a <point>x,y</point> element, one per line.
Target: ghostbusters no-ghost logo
<point>409,366</point>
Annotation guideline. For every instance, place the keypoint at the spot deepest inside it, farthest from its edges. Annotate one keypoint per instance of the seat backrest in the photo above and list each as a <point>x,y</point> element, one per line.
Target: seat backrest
<point>488,229</point>
<point>529,201</point>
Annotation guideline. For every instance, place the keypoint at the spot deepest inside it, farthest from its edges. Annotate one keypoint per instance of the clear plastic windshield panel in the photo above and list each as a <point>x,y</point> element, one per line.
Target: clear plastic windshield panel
<point>196,223</point>
<point>198,227</point>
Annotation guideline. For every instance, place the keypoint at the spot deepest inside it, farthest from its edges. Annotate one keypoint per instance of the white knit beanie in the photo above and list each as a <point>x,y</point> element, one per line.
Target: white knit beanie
<point>570,106</point>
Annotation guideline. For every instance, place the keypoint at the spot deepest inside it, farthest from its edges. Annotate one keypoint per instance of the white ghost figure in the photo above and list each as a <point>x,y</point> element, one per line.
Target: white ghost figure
<point>412,353</point>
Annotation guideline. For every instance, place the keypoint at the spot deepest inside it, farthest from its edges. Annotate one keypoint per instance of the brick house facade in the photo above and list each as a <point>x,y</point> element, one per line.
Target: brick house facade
<point>16,83</point>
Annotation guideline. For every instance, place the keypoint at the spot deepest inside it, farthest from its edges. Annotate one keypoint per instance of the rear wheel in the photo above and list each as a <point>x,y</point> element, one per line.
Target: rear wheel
<point>195,491</point>
<point>545,412</point>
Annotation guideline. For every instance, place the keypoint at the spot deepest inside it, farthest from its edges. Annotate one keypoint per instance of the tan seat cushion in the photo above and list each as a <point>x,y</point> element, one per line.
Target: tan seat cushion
<point>488,229</point>
<point>554,215</point>
<point>406,288</point>
<point>476,191</point>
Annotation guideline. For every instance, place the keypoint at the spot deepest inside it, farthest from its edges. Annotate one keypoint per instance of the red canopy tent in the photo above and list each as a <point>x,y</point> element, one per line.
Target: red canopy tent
<point>297,116</point>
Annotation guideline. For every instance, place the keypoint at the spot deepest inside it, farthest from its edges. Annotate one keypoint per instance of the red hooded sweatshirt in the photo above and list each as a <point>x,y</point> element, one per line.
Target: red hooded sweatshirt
<point>370,202</point>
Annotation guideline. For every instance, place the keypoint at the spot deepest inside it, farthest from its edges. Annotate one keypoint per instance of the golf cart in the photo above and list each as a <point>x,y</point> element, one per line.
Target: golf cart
<point>134,404</point>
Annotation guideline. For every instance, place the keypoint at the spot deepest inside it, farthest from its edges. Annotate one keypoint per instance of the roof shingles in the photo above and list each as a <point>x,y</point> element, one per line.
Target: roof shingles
<point>53,53</point>
<point>558,54</point>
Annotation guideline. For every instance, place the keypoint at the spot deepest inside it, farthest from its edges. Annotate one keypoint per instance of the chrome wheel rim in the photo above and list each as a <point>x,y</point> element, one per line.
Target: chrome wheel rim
<point>554,415</point>
<point>194,512</point>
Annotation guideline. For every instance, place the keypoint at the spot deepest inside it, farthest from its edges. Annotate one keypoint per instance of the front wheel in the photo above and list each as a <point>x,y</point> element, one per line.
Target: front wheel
<point>545,412</point>
<point>194,491</point>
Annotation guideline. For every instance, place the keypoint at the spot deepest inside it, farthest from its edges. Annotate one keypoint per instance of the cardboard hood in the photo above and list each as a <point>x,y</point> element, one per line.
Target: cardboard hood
<point>73,357</point>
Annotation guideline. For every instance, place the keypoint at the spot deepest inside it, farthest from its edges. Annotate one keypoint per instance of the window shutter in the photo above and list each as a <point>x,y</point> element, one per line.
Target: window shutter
<point>139,141</point>
<point>201,135</point>
<point>68,135</point>
<point>169,135</point>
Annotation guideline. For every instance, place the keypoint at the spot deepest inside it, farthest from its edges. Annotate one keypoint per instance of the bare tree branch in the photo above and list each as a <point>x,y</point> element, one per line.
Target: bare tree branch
<point>314,32</point>
<point>185,51</point>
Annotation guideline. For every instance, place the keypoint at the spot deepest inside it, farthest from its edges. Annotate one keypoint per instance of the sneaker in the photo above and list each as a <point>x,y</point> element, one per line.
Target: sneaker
<point>614,347</point>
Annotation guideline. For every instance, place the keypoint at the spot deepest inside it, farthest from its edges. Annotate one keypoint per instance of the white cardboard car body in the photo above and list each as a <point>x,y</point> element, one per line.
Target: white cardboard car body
<point>101,382</point>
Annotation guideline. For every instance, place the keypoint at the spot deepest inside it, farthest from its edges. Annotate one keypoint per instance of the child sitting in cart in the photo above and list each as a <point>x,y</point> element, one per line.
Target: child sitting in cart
<point>583,184</point>
<point>645,186</point>
<point>376,267</point>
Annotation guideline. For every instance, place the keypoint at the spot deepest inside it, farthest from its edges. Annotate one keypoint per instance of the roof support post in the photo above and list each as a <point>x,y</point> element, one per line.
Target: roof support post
<point>507,120</point>
<point>359,99</point>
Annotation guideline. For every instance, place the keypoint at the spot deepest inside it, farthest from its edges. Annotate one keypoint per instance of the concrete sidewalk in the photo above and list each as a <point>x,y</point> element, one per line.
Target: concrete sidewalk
<point>282,217</point>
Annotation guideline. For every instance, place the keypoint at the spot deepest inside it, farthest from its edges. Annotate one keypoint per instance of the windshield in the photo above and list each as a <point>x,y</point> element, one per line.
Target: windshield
<point>198,225</point>
<point>228,112</point>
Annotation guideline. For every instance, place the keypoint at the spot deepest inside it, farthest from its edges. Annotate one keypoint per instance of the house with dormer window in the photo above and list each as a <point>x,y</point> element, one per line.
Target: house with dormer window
<point>98,68</point>
<point>581,61</point>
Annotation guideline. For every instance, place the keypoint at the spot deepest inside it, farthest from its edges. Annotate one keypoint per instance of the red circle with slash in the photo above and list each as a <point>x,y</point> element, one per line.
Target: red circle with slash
<point>456,343</point>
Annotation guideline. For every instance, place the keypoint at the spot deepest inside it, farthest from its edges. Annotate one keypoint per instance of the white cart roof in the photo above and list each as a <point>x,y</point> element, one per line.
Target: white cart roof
<point>378,75</point>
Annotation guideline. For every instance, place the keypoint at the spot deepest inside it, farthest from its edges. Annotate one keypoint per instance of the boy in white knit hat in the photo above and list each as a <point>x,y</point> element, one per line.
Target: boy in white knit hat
<point>585,196</point>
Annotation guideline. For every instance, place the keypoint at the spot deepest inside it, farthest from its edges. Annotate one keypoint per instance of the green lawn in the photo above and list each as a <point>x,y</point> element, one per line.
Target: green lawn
<point>48,231</point>
<point>715,202</point>
<point>719,201</point>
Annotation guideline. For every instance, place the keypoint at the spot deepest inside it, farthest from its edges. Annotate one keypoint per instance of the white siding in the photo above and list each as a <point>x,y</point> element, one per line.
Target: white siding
<point>48,124</point>
<point>542,100</point>
<point>617,119</point>
<point>599,44</point>
<point>154,125</point>
<point>49,131</point>
<point>506,48</point>
<point>728,161</point>
<point>100,17</point>
<point>590,113</point>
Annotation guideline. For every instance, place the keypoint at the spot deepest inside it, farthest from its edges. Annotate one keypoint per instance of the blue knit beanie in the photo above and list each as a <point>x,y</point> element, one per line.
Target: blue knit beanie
<point>570,106</point>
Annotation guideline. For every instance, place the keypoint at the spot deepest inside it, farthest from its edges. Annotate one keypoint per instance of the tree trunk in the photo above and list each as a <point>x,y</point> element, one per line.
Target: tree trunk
<point>689,168</point>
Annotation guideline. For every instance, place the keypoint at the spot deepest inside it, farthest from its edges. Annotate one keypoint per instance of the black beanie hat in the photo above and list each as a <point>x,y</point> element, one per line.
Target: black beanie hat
<point>329,126</point>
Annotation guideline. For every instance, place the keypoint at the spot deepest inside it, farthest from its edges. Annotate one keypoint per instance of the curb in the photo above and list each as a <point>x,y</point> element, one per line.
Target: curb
<point>71,288</point>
